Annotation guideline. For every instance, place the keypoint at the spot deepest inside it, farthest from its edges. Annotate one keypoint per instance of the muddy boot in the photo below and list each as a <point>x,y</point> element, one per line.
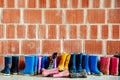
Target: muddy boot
<point>6,70</point>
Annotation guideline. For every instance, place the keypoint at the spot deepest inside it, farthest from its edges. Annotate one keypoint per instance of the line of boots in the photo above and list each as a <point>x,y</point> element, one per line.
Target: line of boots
<point>69,65</point>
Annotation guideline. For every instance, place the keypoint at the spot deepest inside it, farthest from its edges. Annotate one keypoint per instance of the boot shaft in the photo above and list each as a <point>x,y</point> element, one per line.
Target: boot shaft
<point>67,62</point>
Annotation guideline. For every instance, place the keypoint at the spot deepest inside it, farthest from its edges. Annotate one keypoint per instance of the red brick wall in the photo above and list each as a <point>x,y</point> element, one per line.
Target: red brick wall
<point>46,26</point>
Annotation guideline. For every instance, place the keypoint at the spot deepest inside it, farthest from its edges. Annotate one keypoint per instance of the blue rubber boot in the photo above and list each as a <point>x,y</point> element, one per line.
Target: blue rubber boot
<point>29,65</point>
<point>6,70</point>
<point>79,65</point>
<point>94,65</point>
<point>14,68</point>
<point>86,63</point>
<point>45,62</point>
<point>36,65</point>
<point>73,63</point>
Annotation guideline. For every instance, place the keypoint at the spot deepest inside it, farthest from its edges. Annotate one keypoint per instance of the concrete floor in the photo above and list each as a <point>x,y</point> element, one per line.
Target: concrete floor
<point>38,77</point>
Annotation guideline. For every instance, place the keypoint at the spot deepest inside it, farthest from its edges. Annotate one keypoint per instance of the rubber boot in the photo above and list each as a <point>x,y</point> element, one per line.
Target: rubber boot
<point>79,64</point>
<point>55,63</point>
<point>29,65</point>
<point>36,65</point>
<point>52,61</point>
<point>114,66</point>
<point>105,65</point>
<point>118,56</point>
<point>67,62</point>
<point>39,64</point>
<point>62,61</point>
<point>64,73</point>
<point>73,63</point>
<point>6,70</point>
<point>14,68</point>
<point>94,65</point>
<point>86,63</point>
<point>45,63</point>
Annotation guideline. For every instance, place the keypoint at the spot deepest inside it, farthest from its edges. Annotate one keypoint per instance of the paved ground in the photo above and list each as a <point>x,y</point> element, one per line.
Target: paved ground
<point>26,77</point>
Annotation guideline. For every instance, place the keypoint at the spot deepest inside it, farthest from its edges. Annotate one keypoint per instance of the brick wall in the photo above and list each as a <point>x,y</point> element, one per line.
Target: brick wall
<point>46,26</point>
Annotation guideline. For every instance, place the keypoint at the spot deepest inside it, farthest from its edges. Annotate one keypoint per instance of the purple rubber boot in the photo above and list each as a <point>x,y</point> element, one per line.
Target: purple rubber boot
<point>39,64</point>
<point>55,63</point>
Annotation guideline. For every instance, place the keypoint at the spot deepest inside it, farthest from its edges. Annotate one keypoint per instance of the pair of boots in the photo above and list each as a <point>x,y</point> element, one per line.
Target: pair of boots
<point>110,65</point>
<point>49,68</point>
<point>90,64</point>
<point>76,69</point>
<point>8,69</point>
<point>31,65</point>
<point>63,66</point>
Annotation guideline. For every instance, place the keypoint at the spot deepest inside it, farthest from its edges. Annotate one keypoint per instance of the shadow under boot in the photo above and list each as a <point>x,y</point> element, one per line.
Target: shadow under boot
<point>105,65</point>
<point>62,61</point>
<point>94,65</point>
<point>14,68</point>
<point>29,65</point>
<point>6,70</point>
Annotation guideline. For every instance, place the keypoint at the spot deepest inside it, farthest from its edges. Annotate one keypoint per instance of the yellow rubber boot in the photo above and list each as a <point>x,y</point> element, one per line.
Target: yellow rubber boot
<point>67,62</point>
<point>62,61</point>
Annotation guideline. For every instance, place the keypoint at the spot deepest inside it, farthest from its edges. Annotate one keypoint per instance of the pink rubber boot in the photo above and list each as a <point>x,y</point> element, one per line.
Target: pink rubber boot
<point>104,65</point>
<point>46,72</point>
<point>39,64</point>
<point>114,66</point>
<point>64,73</point>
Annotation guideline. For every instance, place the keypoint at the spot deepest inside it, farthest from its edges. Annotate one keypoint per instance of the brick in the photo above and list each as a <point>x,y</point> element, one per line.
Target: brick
<point>63,3</point>
<point>62,32</point>
<point>1,62</point>
<point>11,16</point>
<point>73,32</point>
<point>83,32</point>
<point>74,16</point>
<point>96,16</point>
<point>1,3</point>
<point>10,3</point>
<point>71,46</point>
<point>10,31</point>
<point>50,46</point>
<point>96,3</point>
<point>74,3</point>
<point>21,63</point>
<point>31,3</point>
<point>52,32</point>
<point>93,32</point>
<point>104,32</point>
<point>53,17</point>
<point>42,32</point>
<point>107,3</point>
<point>115,32</point>
<point>85,3</point>
<point>21,31</point>
<point>93,47</point>
<point>32,16</point>
<point>1,31</point>
<point>113,16</point>
<point>30,47</point>
<point>1,47</point>
<point>53,3</point>
<point>117,3</point>
<point>21,3</point>
<point>10,47</point>
<point>42,3</point>
<point>31,31</point>
<point>112,47</point>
